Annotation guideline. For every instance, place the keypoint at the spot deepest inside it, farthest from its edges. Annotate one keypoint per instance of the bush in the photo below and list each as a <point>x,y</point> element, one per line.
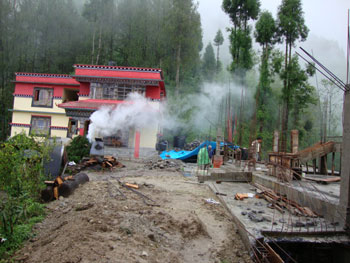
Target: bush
<point>78,148</point>
<point>21,180</point>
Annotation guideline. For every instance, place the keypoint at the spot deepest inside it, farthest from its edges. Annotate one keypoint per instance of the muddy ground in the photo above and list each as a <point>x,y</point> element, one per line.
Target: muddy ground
<point>105,222</point>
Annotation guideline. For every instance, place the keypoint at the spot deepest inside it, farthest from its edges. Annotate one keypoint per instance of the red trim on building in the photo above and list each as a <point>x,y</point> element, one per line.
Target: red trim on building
<point>91,104</point>
<point>20,124</point>
<point>58,128</point>
<point>55,79</point>
<point>104,67</point>
<point>41,116</point>
<point>117,72</point>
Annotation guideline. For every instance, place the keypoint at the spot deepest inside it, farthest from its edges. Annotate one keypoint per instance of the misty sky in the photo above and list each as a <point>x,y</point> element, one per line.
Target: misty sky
<point>324,18</point>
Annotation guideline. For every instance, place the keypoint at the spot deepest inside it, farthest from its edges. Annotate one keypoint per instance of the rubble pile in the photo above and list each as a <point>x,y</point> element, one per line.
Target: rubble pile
<point>96,163</point>
<point>192,145</point>
<point>163,164</point>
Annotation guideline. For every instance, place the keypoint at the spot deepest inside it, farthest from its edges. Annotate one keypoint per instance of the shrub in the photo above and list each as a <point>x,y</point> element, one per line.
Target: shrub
<point>21,181</point>
<point>78,148</point>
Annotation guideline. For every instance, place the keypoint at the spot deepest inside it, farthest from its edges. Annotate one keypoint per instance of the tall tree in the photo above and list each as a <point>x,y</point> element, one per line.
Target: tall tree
<point>208,63</point>
<point>241,12</point>
<point>218,41</point>
<point>185,36</point>
<point>265,35</point>
<point>291,27</point>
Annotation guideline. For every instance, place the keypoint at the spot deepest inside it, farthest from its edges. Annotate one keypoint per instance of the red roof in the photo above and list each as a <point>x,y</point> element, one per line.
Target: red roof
<point>46,78</point>
<point>118,72</point>
<point>90,104</point>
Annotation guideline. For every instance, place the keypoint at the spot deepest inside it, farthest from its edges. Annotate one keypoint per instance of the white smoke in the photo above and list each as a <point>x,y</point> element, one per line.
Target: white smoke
<point>139,112</point>
<point>136,111</point>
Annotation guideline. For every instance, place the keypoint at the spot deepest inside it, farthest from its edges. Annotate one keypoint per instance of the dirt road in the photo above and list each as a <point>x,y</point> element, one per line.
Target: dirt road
<point>105,222</point>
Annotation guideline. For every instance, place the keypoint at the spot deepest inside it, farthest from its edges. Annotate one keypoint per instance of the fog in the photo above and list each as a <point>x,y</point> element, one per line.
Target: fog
<point>326,20</point>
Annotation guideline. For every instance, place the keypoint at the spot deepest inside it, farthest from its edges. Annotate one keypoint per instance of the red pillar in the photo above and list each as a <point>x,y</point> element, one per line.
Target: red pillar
<point>81,131</point>
<point>137,145</point>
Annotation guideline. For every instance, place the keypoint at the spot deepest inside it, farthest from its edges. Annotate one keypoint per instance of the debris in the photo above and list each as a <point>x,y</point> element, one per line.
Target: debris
<point>212,201</point>
<point>2,240</point>
<point>84,207</point>
<point>62,187</point>
<point>217,193</point>
<point>280,203</point>
<point>253,216</point>
<point>145,197</point>
<point>72,163</point>
<point>326,180</point>
<point>192,145</point>
<point>163,164</point>
<point>95,163</point>
<point>241,197</point>
<point>135,186</point>
<point>144,254</point>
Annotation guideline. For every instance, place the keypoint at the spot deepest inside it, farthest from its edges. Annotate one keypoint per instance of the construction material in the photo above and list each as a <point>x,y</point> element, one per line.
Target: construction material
<point>281,203</point>
<point>135,186</point>
<point>326,180</point>
<point>163,164</point>
<point>62,186</point>
<point>242,196</point>
<point>95,163</point>
<point>316,151</point>
<point>145,198</point>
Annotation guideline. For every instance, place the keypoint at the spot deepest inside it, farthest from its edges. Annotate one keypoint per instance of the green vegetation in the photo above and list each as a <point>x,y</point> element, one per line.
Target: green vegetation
<point>78,148</point>
<point>269,89</point>
<point>21,180</point>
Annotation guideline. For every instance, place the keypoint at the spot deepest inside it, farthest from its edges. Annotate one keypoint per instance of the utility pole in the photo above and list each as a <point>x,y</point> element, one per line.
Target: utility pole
<point>344,201</point>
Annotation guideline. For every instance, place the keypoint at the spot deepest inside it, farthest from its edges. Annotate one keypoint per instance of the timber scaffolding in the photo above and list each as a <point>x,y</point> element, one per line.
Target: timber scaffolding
<point>281,200</point>
<point>308,215</point>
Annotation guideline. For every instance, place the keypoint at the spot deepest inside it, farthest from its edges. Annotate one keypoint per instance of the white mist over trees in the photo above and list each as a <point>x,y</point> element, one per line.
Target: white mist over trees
<point>50,36</point>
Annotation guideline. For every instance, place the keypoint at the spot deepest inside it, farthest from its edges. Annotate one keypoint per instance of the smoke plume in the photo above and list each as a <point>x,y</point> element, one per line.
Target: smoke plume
<point>136,111</point>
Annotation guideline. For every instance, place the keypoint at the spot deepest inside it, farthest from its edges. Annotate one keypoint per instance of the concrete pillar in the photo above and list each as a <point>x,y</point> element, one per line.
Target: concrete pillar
<point>137,144</point>
<point>276,137</point>
<point>294,141</point>
<point>344,201</point>
<point>219,139</point>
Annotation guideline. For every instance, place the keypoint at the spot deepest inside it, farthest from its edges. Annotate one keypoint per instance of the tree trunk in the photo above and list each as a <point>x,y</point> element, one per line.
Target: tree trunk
<point>252,134</point>
<point>99,46</point>
<point>285,110</point>
<point>240,125</point>
<point>93,45</point>
<point>217,60</point>
<point>178,62</point>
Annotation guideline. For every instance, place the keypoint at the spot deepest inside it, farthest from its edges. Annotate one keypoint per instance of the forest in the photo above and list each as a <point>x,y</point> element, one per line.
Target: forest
<point>259,91</point>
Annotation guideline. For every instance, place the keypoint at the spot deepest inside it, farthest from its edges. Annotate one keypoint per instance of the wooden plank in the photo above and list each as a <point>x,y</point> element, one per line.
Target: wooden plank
<point>273,256</point>
<point>135,186</point>
<point>328,180</point>
<point>58,180</point>
<point>55,192</point>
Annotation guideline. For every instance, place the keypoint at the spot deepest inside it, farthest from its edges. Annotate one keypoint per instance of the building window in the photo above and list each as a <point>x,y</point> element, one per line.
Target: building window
<point>42,97</point>
<point>40,126</point>
<point>113,91</point>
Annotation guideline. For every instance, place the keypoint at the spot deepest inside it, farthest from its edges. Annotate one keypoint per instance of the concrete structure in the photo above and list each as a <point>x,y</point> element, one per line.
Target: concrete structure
<point>344,201</point>
<point>60,105</point>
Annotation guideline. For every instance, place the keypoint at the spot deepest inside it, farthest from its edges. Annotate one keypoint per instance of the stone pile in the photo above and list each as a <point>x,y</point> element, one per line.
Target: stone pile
<point>163,164</point>
<point>192,145</point>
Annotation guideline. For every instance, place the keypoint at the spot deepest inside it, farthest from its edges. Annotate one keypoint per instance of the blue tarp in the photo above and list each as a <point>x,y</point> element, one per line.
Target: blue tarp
<point>183,155</point>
